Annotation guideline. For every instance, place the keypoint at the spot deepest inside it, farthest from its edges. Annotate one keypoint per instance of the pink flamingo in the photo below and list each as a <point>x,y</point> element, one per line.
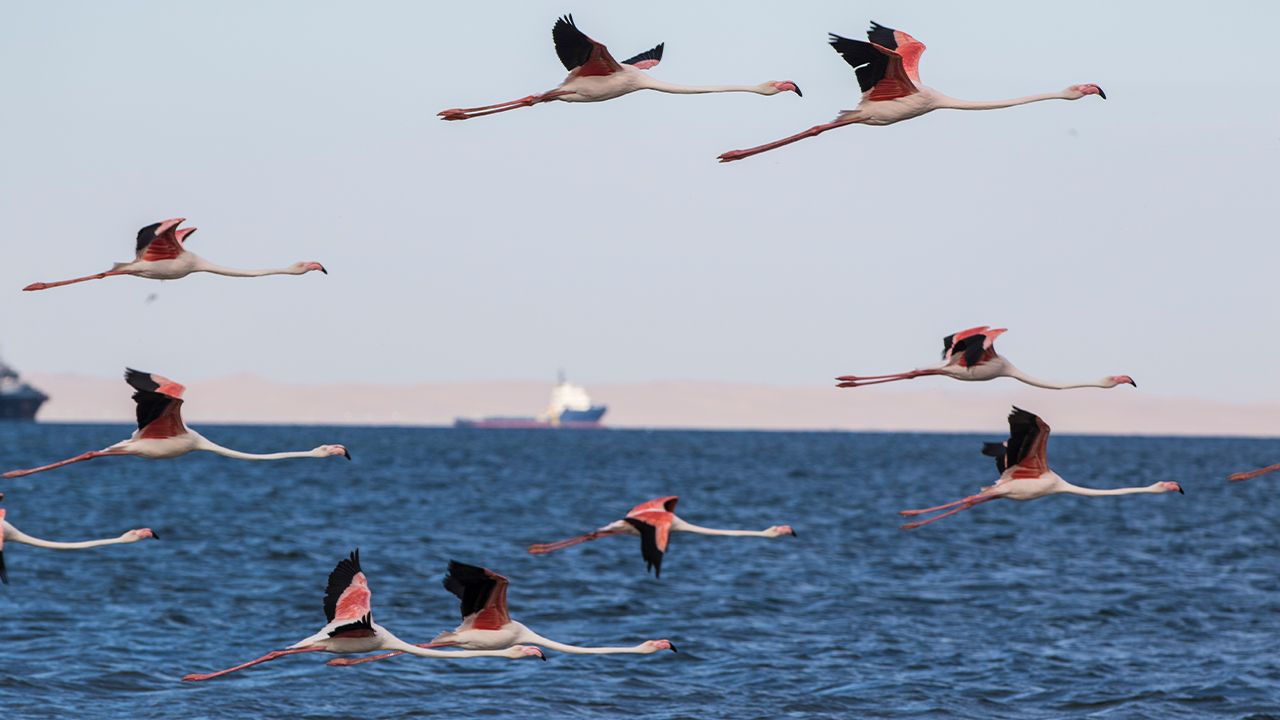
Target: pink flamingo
<point>1025,473</point>
<point>486,625</point>
<point>654,521</point>
<point>162,434</point>
<point>595,76</point>
<point>162,255</point>
<point>971,355</point>
<point>9,532</point>
<point>1237,477</point>
<point>888,70</point>
<point>351,628</point>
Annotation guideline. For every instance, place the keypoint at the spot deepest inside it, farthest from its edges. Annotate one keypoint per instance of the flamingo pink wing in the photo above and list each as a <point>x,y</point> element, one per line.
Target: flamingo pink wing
<point>347,595</point>
<point>482,594</point>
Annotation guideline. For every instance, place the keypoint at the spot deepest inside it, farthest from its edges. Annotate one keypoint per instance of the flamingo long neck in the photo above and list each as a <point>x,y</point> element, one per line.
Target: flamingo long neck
<point>203,265</point>
<point>683,526</point>
<point>653,84</point>
<point>1068,488</point>
<point>395,643</point>
<point>210,446</point>
<point>1017,374</point>
<point>16,535</point>
<point>954,104</point>
<point>532,638</point>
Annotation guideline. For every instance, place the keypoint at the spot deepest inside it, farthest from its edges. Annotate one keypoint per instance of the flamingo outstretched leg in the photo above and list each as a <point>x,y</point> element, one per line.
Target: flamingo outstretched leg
<point>79,458</point>
<point>347,662</point>
<point>60,283</point>
<point>196,677</point>
<point>848,381</point>
<point>526,101</point>
<point>1237,477</point>
<point>965,505</point>
<point>811,132</point>
<point>542,548</point>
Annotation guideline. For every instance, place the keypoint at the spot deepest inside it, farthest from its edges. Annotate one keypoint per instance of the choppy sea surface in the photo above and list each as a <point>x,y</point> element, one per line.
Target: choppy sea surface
<point>1146,606</point>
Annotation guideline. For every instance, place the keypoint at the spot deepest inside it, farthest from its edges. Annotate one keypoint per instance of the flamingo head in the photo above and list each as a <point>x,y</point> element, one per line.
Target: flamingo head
<point>659,645</point>
<point>1115,380</point>
<point>302,268</point>
<point>1075,92</point>
<point>773,88</point>
<point>185,233</point>
<point>140,534</point>
<point>781,530</point>
<point>331,450</point>
<point>519,652</point>
<point>1168,486</point>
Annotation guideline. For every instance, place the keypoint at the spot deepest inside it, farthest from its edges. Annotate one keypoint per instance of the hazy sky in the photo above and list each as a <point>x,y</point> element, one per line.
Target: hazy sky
<point>1135,235</point>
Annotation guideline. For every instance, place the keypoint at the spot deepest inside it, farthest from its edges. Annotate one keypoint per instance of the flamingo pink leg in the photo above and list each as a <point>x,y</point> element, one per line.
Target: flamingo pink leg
<point>848,381</point>
<point>60,283</point>
<point>346,662</point>
<point>811,132</point>
<point>562,544</point>
<point>1253,473</point>
<point>527,101</point>
<point>195,677</point>
<point>79,458</point>
<point>965,505</point>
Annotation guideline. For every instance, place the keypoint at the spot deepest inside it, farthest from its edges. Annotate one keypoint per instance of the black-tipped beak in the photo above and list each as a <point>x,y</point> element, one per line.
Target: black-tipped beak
<point>1180,490</point>
<point>155,535</point>
<point>1102,94</point>
<point>798,90</point>
<point>326,272</point>
<point>673,648</point>
<point>794,534</point>
<point>1131,382</point>
<point>346,454</point>
<point>543,657</point>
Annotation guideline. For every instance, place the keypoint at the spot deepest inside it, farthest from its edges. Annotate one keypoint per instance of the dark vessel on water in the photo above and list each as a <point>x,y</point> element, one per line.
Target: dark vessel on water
<point>570,408</point>
<point>18,400</point>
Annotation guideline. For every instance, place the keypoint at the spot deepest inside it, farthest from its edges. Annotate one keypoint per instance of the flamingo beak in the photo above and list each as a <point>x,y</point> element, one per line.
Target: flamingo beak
<point>797,87</point>
<point>673,648</point>
<point>346,453</point>
<point>1102,94</point>
<point>794,534</point>
<point>1131,382</point>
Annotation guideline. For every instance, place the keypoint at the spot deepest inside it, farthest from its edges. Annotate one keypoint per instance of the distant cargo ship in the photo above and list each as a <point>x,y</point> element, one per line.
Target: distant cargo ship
<point>18,400</point>
<point>570,409</point>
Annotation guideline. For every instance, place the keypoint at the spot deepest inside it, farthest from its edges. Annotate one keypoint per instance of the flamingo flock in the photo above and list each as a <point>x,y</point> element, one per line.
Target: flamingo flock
<point>886,67</point>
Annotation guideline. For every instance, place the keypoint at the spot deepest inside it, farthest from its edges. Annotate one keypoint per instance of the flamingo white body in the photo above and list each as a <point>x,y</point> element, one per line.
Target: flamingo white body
<point>971,355</point>
<point>653,522</point>
<point>594,76</point>
<point>1025,474</point>
<point>1237,477</point>
<point>888,72</point>
<point>9,533</point>
<point>162,255</point>
<point>487,625</point>
<point>351,628</point>
<point>162,434</point>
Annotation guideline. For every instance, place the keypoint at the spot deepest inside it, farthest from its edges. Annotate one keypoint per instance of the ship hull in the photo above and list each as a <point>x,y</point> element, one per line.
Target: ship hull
<point>569,420</point>
<point>20,408</point>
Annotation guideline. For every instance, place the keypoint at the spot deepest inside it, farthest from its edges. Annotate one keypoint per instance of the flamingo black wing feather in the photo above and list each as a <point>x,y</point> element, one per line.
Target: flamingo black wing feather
<point>869,64</point>
<point>572,45</point>
<point>339,580</point>
<point>648,545</point>
<point>654,55</point>
<point>471,584</point>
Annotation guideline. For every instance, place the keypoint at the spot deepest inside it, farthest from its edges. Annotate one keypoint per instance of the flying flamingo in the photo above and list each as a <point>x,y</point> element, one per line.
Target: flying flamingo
<point>888,74</point>
<point>595,76</point>
<point>351,628</point>
<point>1025,473</point>
<point>162,434</point>
<point>971,355</point>
<point>1237,477</point>
<point>9,532</point>
<point>162,255</point>
<point>654,521</point>
<point>487,626</point>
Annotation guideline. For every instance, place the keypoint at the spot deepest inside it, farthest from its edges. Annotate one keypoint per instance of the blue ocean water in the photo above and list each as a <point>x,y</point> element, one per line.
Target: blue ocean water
<point>1145,606</point>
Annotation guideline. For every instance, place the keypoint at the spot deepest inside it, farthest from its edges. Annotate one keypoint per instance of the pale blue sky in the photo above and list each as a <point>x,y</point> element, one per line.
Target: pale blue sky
<point>1134,235</point>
